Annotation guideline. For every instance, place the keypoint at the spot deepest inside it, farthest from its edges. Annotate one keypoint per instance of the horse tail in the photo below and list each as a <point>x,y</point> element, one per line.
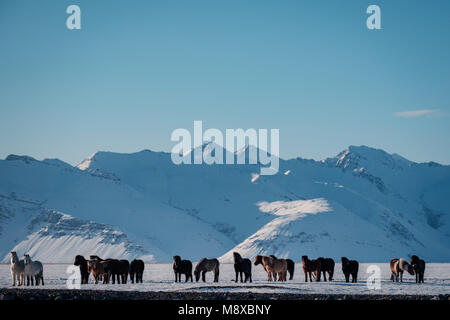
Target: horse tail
<point>291,267</point>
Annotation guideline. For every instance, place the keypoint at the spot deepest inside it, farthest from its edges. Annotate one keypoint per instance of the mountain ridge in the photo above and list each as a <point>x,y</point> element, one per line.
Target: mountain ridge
<point>219,205</point>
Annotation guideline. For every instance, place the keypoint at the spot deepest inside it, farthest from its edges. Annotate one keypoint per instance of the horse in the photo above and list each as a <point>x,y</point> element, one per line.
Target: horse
<point>124,268</point>
<point>17,269</point>
<point>206,265</point>
<point>94,257</point>
<point>242,266</point>
<point>311,267</point>
<point>95,266</point>
<point>350,267</point>
<point>113,270</point>
<point>81,262</point>
<point>398,266</point>
<point>419,268</point>
<point>326,265</point>
<point>136,268</point>
<point>33,269</point>
<point>273,267</point>
<point>290,266</point>
<point>182,267</point>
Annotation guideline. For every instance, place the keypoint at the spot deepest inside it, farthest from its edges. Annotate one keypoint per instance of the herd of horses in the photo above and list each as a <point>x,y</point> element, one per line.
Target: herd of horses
<point>277,269</point>
<point>112,270</point>
<point>106,270</point>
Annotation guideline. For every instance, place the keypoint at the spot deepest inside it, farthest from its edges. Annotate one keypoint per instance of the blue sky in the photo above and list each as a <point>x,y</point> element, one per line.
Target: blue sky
<point>137,70</point>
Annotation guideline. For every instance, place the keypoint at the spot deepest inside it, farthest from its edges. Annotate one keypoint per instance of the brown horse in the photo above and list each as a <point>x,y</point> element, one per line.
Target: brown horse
<point>273,267</point>
<point>419,268</point>
<point>398,266</point>
<point>311,267</point>
<point>96,268</point>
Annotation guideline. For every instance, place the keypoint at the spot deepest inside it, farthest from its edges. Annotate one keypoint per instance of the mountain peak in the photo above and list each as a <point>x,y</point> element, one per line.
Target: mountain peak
<point>14,157</point>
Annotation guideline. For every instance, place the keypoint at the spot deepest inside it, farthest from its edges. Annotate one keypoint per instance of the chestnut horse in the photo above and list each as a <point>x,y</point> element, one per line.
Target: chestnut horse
<point>273,267</point>
<point>419,268</point>
<point>398,266</point>
<point>310,267</point>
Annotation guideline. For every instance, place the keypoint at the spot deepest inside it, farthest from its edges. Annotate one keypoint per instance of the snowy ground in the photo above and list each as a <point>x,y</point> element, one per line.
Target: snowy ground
<point>159,277</point>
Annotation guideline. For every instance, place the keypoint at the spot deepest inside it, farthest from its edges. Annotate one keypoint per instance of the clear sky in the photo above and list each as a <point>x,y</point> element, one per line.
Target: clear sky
<point>137,70</point>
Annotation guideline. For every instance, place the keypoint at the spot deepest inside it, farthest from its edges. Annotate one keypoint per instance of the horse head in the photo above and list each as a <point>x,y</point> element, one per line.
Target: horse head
<point>27,259</point>
<point>304,259</point>
<point>237,257</point>
<point>177,260</point>
<point>14,258</point>
<point>258,260</point>
<point>79,260</point>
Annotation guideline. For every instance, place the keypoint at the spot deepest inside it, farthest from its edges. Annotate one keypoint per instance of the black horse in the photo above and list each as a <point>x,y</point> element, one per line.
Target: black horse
<point>242,266</point>
<point>112,269</point>
<point>136,268</point>
<point>182,267</point>
<point>81,262</point>
<point>290,266</point>
<point>350,267</point>
<point>419,268</point>
<point>124,268</point>
<point>327,265</point>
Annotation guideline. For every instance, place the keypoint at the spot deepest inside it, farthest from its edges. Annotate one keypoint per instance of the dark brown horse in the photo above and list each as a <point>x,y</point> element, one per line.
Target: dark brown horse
<point>311,267</point>
<point>419,268</point>
<point>326,265</point>
<point>96,268</point>
<point>242,266</point>
<point>182,267</point>
<point>350,267</point>
<point>82,263</point>
<point>136,269</point>
<point>290,267</point>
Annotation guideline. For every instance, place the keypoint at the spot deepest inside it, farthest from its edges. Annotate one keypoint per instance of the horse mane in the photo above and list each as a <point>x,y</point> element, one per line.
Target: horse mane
<point>237,257</point>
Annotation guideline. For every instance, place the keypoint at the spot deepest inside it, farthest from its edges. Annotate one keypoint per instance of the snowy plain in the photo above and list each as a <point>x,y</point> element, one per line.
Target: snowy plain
<point>160,277</point>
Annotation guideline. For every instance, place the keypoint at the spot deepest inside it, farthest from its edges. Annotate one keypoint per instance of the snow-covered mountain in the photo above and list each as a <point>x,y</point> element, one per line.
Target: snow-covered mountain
<point>364,203</point>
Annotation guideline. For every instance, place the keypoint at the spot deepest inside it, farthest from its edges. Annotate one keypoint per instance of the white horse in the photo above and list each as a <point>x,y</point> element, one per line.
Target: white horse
<point>17,269</point>
<point>33,269</point>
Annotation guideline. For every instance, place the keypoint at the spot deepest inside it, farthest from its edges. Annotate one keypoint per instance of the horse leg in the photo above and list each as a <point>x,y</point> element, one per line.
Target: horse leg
<point>204,276</point>
<point>324,276</point>
<point>241,274</point>
<point>401,276</point>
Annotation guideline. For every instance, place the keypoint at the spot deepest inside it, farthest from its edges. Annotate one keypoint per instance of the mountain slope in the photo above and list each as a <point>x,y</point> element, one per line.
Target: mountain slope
<point>366,202</point>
